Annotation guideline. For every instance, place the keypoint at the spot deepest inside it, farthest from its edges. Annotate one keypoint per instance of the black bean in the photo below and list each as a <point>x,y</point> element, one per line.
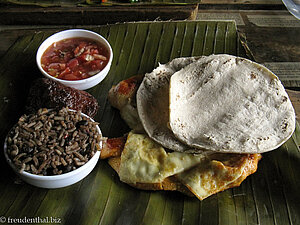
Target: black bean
<point>82,152</point>
<point>27,149</point>
<point>68,140</point>
<point>81,123</point>
<point>45,173</point>
<point>67,169</point>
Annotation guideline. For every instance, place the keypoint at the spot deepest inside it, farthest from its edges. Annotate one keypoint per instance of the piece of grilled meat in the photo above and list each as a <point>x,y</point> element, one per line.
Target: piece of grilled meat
<point>47,93</point>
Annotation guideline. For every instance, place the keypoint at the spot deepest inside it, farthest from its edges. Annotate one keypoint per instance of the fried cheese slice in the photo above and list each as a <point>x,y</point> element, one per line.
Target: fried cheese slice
<point>219,172</point>
<point>146,165</point>
<point>145,161</point>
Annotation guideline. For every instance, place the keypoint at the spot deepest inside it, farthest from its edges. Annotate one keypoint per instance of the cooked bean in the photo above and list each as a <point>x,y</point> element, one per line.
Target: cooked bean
<point>19,156</point>
<point>35,160</point>
<point>58,152</point>
<point>27,160</point>
<point>77,154</point>
<point>63,161</point>
<point>43,165</point>
<point>53,165</point>
<point>15,150</point>
<point>23,166</point>
<point>33,169</point>
<point>52,142</point>
<point>38,125</point>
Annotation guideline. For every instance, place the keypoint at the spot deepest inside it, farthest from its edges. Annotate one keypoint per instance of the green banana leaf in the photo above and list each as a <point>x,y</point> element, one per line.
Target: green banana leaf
<point>270,196</point>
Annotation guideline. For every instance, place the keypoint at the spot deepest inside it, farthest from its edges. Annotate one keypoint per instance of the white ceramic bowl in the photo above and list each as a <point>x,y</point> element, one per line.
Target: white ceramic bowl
<point>56,181</point>
<point>72,33</point>
<point>293,6</point>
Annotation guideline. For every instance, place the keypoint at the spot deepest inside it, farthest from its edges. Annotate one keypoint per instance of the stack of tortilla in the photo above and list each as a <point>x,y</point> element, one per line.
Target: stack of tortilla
<point>220,103</point>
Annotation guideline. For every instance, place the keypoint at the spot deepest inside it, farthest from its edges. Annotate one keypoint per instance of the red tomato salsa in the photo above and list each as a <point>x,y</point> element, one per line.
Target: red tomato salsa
<point>75,58</point>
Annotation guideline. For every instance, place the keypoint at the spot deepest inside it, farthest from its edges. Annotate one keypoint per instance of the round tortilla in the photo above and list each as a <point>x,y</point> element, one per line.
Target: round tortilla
<point>225,103</point>
<point>153,103</point>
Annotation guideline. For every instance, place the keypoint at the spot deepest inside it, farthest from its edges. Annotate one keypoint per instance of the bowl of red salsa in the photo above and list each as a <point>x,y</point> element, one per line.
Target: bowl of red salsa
<point>77,58</point>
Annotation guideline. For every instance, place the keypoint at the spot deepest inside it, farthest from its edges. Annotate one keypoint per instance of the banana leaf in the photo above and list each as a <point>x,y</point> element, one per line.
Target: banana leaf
<point>270,196</point>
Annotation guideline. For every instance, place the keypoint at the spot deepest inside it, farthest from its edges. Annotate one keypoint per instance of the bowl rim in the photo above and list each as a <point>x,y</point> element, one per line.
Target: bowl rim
<point>48,39</point>
<point>96,157</point>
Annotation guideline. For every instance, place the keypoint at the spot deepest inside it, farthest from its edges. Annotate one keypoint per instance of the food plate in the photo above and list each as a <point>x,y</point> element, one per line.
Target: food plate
<point>270,196</point>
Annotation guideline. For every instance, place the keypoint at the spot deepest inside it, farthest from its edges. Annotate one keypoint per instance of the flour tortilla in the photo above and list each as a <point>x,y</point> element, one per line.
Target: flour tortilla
<point>153,103</point>
<point>225,103</point>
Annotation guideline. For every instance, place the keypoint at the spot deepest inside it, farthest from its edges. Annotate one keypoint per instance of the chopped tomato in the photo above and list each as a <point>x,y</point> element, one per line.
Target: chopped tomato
<point>98,64</point>
<point>73,63</point>
<point>71,77</point>
<point>82,58</point>
<point>63,73</point>
<point>57,66</point>
<point>75,58</point>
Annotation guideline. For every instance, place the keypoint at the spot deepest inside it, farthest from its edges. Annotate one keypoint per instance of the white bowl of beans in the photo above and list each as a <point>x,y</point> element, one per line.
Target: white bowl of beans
<point>53,149</point>
<point>77,58</point>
